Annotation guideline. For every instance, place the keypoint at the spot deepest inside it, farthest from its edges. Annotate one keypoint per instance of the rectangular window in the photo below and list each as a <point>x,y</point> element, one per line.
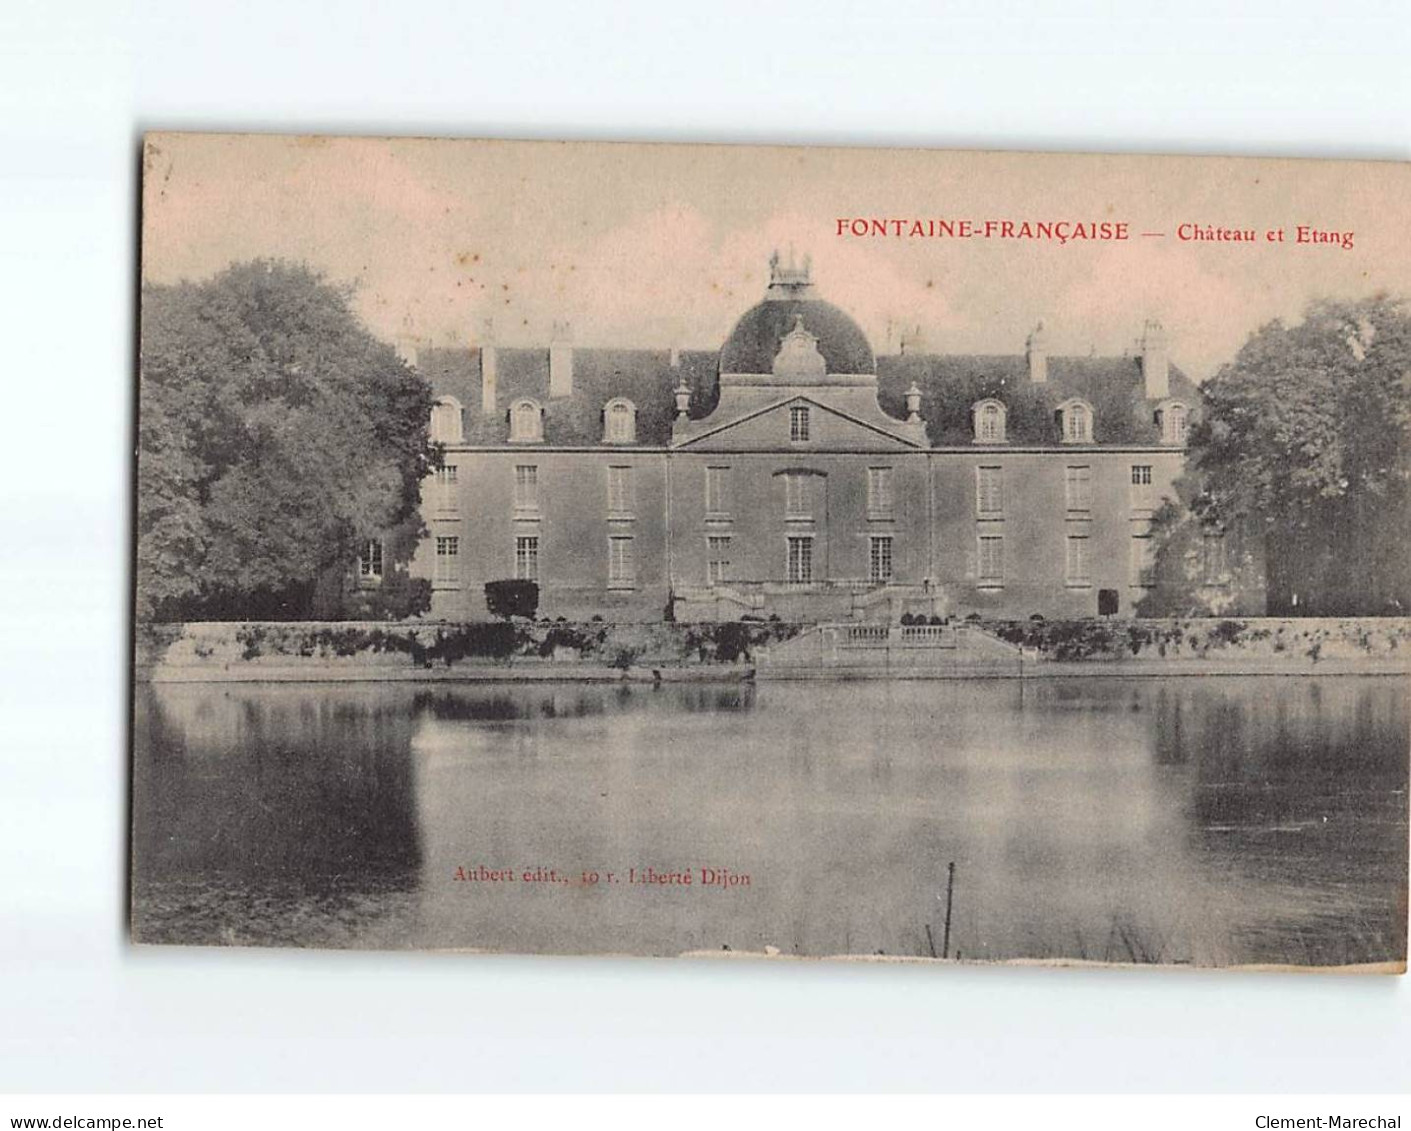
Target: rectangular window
<point>1141,486</point>
<point>1076,571</point>
<point>801,560</point>
<point>717,490</point>
<point>991,559</point>
<point>798,423</point>
<point>526,558</point>
<point>1078,488</point>
<point>370,561</point>
<point>879,492</point>
<point>448,562</point>
<point>621,497</point>
<point>447,497</point>
<point>622,568</point>
<point>798,495</point>
<point>621,423</point>
<point>880,559</point>
<point>717,559</point>
<point>989,490</point>
<point>1143,562</point>
<point>1215,565</point>
<point>526,487</point>
<point>1075,425</point>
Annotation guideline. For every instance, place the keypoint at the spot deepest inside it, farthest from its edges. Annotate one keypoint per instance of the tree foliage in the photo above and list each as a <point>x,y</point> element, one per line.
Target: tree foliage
<point>275,435</point>
<point>1305,443</point>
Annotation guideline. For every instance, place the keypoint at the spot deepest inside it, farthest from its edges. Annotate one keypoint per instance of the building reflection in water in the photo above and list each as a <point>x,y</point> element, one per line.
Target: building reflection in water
<point>1192,820</point>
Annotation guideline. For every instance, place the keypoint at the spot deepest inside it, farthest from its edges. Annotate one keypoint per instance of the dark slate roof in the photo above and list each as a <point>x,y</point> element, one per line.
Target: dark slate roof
<point>452,373</point>
<point>950,385</point>
<point>754,342</point>
<point>644,377</point>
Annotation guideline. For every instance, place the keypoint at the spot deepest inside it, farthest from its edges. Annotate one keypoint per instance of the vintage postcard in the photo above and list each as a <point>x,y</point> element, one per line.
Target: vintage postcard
<point>566,548</point>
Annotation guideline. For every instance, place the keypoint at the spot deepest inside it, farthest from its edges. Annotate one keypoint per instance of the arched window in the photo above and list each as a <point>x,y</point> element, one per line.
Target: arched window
<point>1075,420</point>
<point>989,422</point>
<point>620,422</point>
<point>1173,421</point>
<point>446,421</point>
<point>526,421</point>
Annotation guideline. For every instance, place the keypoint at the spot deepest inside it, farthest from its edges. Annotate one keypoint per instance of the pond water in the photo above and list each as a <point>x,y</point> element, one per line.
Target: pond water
<point>1192,820</point>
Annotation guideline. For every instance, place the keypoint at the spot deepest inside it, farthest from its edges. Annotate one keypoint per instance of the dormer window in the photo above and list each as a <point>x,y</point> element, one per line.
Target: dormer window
<point>1173,421</point>
<point>446,421</point>
<point>1075,422</point>
<point>620,422</point>
<point>526,422</point>
<point>989,422</point>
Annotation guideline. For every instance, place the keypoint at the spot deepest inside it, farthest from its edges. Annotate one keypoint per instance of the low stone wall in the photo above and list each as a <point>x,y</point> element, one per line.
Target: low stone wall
<point>602,650</point>
<point>1263,639</point>
<point>521,649</point>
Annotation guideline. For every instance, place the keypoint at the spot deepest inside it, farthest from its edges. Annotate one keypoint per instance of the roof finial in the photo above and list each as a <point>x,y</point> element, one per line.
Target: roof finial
<point>790,273</point>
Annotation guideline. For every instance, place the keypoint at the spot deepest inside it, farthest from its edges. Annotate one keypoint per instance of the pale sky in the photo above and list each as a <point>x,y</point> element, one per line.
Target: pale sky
<point>653,246</point>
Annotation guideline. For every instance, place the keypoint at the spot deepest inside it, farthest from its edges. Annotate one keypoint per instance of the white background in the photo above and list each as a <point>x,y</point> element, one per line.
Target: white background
<point>81,1010</point>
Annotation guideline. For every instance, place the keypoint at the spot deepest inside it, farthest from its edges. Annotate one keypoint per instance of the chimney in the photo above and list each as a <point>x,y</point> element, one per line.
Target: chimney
<point>561,361</point>
<point>489,369</point>
<point>1155,367</point>
<point>1036,350</point>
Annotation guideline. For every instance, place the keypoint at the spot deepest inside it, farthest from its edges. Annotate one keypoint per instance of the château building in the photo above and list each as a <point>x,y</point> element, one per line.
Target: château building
<point>795,473</point>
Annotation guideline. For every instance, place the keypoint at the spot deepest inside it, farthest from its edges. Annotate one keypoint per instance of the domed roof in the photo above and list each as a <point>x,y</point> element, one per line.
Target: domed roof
<point>755,341</point>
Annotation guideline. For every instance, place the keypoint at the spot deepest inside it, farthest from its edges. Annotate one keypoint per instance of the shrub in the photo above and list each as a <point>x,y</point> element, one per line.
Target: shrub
<point>489,640</point>
<point>252,637</point>
<point>512,597</point>
<point>564,636</point>
<point>1227,631</point>
<point>398,597</point>
<point>732,641</point>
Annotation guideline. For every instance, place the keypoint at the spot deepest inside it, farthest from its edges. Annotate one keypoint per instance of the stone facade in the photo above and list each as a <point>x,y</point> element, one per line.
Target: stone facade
<point>793,474</point>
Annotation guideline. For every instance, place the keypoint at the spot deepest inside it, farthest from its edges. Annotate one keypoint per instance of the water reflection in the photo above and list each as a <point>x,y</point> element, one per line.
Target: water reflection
<point>272,814</point>
<point>1195,820</point>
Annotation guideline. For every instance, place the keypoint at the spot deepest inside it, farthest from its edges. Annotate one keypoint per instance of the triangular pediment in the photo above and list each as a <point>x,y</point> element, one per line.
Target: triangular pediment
<point>775,426</point>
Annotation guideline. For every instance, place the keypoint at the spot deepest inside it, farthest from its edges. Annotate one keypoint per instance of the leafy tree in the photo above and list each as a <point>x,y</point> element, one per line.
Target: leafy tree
<point>1305,446</point>
<point>275,435</point>
<point>1203,567</point>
